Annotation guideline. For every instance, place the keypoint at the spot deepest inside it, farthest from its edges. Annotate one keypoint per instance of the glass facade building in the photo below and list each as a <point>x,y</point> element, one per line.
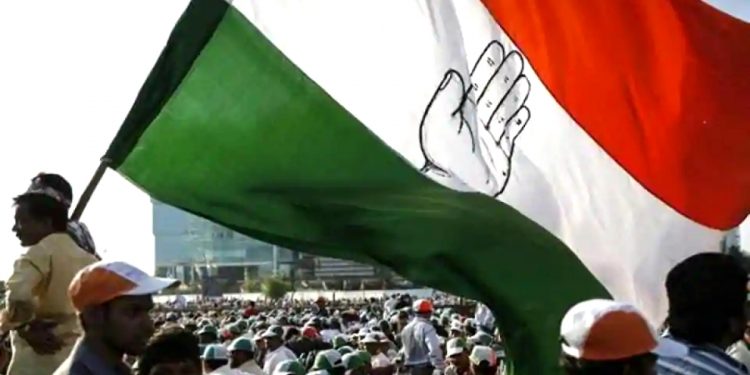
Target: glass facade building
<point>187,246</point>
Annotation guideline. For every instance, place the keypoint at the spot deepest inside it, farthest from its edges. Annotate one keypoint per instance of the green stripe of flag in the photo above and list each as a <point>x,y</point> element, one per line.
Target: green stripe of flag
<point>226,127</point>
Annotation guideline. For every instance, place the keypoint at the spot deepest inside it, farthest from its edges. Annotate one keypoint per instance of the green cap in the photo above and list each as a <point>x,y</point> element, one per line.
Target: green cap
<point>273,331</point>
<point>365,355</point>
<point>352,361</point>
<point>242,344</point>
<point>346,349</point>
<point>338,341</point>
<point>215,352</point>
<point>208,329</point>
<point>289,367</point>
<point>327,360</point>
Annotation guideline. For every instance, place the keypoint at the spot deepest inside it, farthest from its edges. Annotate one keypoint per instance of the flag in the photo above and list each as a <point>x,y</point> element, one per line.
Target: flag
<point>527,154</point>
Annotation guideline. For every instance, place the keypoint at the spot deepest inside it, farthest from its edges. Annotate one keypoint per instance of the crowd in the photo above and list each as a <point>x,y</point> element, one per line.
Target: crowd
<point>68,312</point>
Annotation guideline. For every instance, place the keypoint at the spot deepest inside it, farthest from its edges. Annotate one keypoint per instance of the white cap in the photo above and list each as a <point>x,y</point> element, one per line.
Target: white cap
<point>481,354</point>
<point>455,346</point>
<point>605,330</point>
<point>104,281</point>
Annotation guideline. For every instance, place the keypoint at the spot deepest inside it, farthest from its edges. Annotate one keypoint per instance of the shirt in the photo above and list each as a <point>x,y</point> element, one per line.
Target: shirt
<point>740,352</point>
<point>698,360</point>
<point>226,370</point>
<point>38,287</point>
<point>272,359</point>
<point>252,368</point>
<point>421,344</point>
<point>83,361</point>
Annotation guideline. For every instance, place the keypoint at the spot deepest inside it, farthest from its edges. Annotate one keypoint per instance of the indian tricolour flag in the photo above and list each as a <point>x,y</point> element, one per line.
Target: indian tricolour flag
<point>529,154</point>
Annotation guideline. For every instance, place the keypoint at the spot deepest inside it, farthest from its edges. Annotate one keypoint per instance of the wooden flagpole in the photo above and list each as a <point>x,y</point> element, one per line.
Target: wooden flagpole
<point>86,196</point>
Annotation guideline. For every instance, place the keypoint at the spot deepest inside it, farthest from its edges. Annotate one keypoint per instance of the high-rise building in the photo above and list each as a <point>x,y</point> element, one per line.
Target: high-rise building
<point>190,248</point>
<point>193,250</point>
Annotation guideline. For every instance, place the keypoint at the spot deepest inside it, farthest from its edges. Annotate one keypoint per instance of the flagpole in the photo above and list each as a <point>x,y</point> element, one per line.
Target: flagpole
<point>86,196</point>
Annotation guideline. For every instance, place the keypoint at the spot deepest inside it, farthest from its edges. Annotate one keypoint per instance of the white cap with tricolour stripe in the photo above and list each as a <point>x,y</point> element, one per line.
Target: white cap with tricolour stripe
<point>104,281</point>
<point>604,330</point>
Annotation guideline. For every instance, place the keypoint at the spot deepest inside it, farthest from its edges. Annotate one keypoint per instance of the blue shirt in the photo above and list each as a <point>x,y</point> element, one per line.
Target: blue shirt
<point>83,361</point>
<point>698,360</point>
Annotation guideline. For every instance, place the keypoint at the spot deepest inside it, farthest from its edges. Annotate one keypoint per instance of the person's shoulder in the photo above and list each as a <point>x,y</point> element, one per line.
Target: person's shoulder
<point>73,366</point>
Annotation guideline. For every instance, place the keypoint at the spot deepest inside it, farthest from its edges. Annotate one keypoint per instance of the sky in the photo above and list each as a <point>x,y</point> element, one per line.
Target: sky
<point>69,72</point>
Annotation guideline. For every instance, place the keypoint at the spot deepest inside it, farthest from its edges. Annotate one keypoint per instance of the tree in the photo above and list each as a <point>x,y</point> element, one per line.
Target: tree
<point>274,288</point>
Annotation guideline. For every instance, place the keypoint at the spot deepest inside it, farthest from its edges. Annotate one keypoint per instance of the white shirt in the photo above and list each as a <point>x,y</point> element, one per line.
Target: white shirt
<point>225,370</point>
<point>380,360</point>
<point>328,334</point>
<point>252,368</point>
<point>272,359</point>
<point>740,352</point>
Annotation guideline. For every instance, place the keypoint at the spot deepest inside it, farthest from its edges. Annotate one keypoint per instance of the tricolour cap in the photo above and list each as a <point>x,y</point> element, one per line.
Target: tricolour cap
<point>104,281</point>
<point>605,330</point>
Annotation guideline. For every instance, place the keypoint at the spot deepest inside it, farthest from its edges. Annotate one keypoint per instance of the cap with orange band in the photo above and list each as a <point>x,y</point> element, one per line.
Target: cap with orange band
<point>104,281</point>
<point>605,330</point>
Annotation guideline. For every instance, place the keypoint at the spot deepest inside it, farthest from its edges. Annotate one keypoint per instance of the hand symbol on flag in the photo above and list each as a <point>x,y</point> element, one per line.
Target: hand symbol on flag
<point>474,139</point>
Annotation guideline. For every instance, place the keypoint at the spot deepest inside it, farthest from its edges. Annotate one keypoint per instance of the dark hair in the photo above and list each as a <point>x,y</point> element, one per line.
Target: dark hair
<point>484,368</point>
<point>290,333</point>
<point>43,207</point>
<point>169,345</point>
<point>215,364</point>
<point>574,366</point>
<point>57,182</point>
<point>705,292</point>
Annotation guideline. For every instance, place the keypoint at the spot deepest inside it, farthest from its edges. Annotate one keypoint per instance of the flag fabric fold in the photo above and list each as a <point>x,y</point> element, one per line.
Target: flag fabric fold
<point>438,147</point>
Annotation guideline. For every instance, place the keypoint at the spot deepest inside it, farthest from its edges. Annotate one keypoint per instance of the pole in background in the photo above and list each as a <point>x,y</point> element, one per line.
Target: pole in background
<point>731,240</point>
<point>275,260</point>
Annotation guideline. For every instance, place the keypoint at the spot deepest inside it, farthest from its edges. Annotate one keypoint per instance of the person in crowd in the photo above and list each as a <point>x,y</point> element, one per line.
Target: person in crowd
<point>421,345</point>
<point>353,364</point>
<point>242,352</point>
<point>276,350</point>
<point>172,351</point>
<point>216,361</point>
<point>707,295</point>
<point>456,330</point>
<point>740,350</point>
<point>604,337</point>
<point>251,310</point>
<point>39,315</point>
<point>333,330</point>
<point>457,357</point>
<point>114,301</point>
<point>308,344</point>
<point>207,335</point>
<point>76,229</point>
<point>483,361</point>
<point>375,344</point>
<point>330,362</point>
<point>289,367</point>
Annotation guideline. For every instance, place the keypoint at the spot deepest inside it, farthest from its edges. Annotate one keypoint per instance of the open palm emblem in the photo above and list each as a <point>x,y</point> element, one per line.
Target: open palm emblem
<point>481,122</point>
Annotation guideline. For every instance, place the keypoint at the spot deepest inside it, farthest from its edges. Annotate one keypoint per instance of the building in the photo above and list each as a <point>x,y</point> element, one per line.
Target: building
<point>190,248</point>
<point>193,250</point>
